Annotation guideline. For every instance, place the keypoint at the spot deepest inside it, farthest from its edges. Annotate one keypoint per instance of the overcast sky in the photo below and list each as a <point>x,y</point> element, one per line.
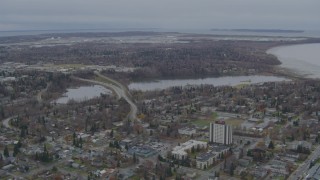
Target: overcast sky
<point>167,14</point>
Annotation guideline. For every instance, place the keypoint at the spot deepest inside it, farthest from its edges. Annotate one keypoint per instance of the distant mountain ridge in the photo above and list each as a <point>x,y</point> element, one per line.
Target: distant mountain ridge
<point>261,30</point>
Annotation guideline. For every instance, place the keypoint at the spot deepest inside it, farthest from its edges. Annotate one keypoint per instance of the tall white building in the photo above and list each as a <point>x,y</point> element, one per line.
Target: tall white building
<point>220,132</point>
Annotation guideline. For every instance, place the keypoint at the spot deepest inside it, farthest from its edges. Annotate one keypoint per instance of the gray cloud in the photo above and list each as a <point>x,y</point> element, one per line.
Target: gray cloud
<point>194,14</point>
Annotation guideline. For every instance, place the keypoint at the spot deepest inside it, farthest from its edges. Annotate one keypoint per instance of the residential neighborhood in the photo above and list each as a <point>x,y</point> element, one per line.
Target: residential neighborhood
<point>80,119</point>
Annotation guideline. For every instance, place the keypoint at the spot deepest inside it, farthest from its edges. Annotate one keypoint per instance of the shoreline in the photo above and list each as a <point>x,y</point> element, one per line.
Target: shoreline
<point>299,65</point>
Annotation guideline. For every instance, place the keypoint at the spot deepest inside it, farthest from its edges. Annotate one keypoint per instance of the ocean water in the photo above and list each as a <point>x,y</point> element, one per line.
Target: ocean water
<point>216,81</point>
<point>82,93</point>
<point>303,59</point>
<point>307,33</point>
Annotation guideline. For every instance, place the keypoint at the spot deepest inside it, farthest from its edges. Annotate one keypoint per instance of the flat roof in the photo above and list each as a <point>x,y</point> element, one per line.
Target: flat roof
<point>219,147</point>
<point>206,156</point>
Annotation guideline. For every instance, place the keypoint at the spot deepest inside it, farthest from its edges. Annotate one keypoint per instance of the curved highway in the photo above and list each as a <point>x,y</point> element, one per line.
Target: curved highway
<point>302,170</point>
<point>39,95</point>
<point>6,123</point>
<point>118,89</point>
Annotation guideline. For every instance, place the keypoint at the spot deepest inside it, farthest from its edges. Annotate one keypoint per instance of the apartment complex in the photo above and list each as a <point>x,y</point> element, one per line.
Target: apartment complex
<point>220,133</point>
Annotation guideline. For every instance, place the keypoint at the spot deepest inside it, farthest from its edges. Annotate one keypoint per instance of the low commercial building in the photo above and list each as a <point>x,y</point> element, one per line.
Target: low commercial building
<point>220,149</point>
<point>142,151</point>
<point>187,131</point>
<point>180,152</point>
<point>205,160</point>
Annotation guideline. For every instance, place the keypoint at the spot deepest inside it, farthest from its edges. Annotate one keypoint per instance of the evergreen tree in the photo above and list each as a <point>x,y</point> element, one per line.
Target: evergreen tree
<point>198,148</point>
<point>6,152</point>
<point>80,142</point>
<point>74,139</point>
<point>1,112</point>
<point>22,132</point>
<point>271,145</point>
<point>192,150</point>
<point>19,144</point>
<point>15,150</point>
<point>169,172</point>
<point>134,158</point>
<point>111,133</point>
<point>116,144</point>
<point>86,124</point>
<point>45,157</point>
<point>145,175</point>
<point>299,149</point>
<point>37,156</point>
<point>232,168</point>
<point>160,158</point>
<point>230,151</point>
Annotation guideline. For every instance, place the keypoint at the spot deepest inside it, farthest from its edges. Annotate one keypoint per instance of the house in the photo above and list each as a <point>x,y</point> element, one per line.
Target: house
<point>107,173</point>
<point>278,167</point>
<point>259,173</point>
<point>8,167</point>
<point>213,178</point>
<point>292,155</point>
<point>142,151</point>
<point>294,145</point>
<point>205,160</point>
<point>244,162</point>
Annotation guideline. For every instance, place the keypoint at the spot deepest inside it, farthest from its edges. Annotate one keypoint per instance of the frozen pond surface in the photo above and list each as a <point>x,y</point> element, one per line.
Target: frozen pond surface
<point>216,81</point>
<point>82,93</point>
<point>303,59</point>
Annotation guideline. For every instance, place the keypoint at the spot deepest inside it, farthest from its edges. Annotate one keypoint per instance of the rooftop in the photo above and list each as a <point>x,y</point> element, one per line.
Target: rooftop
<point>220,122</point>
<point>187,145</point>
<point>219,148</point>
<point>206,156</point>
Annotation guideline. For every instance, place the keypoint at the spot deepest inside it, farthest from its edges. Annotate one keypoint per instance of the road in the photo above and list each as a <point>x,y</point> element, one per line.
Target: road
<point>119,90</point>
<point>302,170</point>
<point>39,95</point>
<point>113,81</point>
<point>6,123</point>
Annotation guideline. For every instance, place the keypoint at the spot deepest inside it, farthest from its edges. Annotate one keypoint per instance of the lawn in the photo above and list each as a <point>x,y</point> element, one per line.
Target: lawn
<point>242,85</point>
<point>202,122</point>
<point>135,177</point>
<point>234,121</point>
<point>213,117</point>
<point>97,78</point>
<point>75,66</point>
<point>206,122</point>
